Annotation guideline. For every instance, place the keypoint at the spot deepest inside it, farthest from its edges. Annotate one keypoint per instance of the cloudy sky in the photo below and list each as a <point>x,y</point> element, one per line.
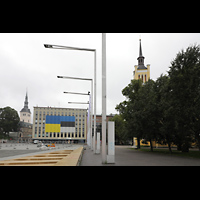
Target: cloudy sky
<point>26,64</point>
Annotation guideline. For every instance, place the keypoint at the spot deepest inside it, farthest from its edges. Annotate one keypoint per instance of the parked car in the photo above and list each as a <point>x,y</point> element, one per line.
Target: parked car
<point>36,141</point>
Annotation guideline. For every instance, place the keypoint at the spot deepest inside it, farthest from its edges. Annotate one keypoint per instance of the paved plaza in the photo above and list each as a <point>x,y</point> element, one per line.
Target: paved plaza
<point>124,156</point>
<point>17,150</point>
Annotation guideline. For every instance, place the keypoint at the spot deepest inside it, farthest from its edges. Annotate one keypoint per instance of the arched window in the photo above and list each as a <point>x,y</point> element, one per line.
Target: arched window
<point>145,77</point>
<point>138,76</point>
<point>142,78</point>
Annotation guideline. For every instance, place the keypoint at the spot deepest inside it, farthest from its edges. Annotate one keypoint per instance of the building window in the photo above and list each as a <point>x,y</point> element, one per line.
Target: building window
<point>138,76</point>
<point>145,77</point>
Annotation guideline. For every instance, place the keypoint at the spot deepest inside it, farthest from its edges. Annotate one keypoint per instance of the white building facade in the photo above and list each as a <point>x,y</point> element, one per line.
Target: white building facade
<point>64,124</point>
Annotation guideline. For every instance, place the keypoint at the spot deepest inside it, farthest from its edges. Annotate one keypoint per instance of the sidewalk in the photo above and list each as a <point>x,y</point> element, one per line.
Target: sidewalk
<point>124,156</point>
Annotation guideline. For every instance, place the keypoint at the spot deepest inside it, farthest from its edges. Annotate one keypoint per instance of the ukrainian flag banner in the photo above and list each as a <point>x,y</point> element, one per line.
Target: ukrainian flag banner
<point>60,124</point>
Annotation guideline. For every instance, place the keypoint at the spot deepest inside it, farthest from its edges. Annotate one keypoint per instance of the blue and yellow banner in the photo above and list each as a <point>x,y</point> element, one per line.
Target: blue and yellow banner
<point>60,123</point>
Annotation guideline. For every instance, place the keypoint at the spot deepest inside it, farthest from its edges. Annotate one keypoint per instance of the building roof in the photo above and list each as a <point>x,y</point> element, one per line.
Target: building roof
<point>49,107</point>
<point>141,67</point>
<point>25,124</point>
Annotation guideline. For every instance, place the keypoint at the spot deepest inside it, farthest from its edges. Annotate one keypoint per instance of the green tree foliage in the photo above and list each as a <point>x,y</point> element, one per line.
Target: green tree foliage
<point>9,120</point>
<point>121,135</point>
<point>129,109</point>
<point>166,110</point>
<point>166,122</point>
<point>184,77</point>
<point>149,112</point>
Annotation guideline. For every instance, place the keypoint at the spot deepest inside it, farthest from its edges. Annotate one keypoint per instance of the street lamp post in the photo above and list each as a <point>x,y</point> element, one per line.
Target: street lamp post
<point>91,105</point>
<point>88,120</point>
<point>79,102</point>
<point>104,152</point>
<point>77,93</point>
<point>82,49</point>
<point>89,113</point>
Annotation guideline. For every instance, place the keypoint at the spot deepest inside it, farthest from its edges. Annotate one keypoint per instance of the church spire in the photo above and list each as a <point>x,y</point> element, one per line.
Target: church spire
<point>25,108</point>
<point>140,53</point>
<point>26,101</point>
<point>141,58</point>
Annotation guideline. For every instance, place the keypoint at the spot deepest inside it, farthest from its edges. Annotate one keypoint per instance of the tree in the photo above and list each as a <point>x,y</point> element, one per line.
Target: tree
<point>165,113</point>
<point>129,110</point>
<point>9,120</point>
<point>120,129</point>
<point>184,82</point>
<point>167,110</point>
<point>148,111</point>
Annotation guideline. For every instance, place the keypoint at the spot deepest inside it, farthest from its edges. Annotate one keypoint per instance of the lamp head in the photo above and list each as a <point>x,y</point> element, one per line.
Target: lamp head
<point>48,46</point>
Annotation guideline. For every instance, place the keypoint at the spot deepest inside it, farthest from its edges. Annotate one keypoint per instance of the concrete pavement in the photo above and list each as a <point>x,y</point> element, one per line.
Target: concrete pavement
<point>55,158</point>
<point>13,151</point>
<point>129,157</point>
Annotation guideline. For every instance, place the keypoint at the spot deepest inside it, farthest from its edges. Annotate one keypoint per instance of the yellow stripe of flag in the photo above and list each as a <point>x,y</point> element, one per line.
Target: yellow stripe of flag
<point>52,127</point>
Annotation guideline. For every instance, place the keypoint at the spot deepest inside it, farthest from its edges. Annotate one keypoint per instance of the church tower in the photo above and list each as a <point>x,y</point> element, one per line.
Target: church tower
<point>141,72</point>
<point>25,113</point>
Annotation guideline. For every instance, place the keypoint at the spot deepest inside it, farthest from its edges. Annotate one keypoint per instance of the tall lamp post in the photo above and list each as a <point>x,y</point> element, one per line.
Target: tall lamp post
<point>89,114</point>
<point>82,49</point>
<point>103,129</point>
<point>92,143</point>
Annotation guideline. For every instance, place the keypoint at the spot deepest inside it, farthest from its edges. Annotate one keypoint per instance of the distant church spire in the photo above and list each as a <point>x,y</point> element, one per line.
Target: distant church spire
<point>140,54</point>
<point>141,58</point>
<point>25,108</point>
<point>26,101</point>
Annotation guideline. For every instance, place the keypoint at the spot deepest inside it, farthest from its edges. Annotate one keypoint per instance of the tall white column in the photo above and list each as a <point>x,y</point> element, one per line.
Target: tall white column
<point>98,143</point>
<point>111,142</point>
<point>95,99</point>
<point>91,116</point>
<point>104,153</point>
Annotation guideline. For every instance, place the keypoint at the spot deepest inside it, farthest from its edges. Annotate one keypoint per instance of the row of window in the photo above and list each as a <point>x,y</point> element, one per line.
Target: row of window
<point>61,135</point>
<point>144,79</point>
<point>36,120</point>
<point>24,114</point>
<point>58,113</point>
<point>39,129</point>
